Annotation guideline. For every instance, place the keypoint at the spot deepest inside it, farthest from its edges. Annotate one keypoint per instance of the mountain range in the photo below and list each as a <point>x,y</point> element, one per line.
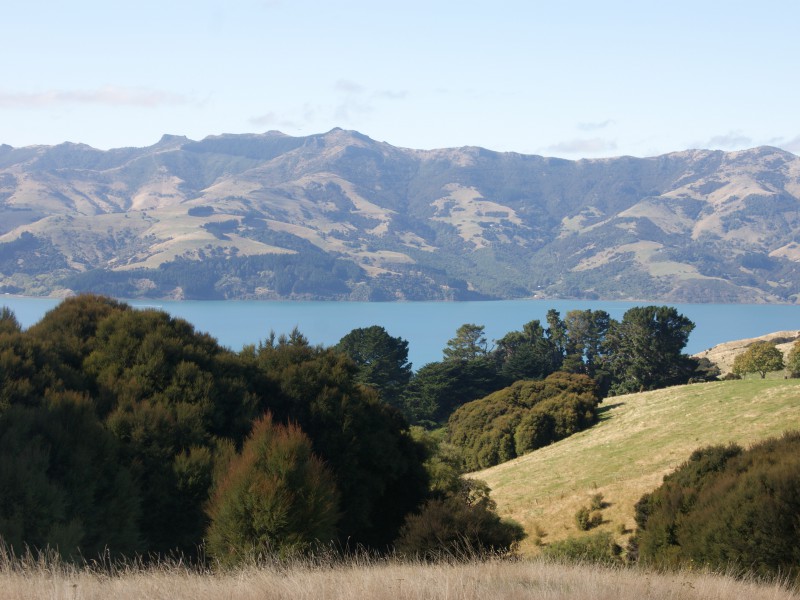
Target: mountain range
<point>340,216</point>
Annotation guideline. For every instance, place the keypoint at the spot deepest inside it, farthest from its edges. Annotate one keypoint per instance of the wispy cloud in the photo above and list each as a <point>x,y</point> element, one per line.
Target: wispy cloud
<point>350,109</point>
<point>595,126</point>
<point>349,87</point>
<point>730,140</point>
<point>391,94</point>
<point>583,146</point>
<point>108,96</point>
<point>272,119</point>
<point>792,145</point>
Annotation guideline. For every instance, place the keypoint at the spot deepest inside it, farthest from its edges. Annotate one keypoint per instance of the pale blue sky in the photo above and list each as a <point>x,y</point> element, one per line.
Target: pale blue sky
<point>572,79</point>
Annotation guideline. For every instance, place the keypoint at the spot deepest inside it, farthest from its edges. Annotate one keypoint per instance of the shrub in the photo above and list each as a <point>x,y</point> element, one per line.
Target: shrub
<point>276,498</point>
<point>522,417</point>
<point>460,525</point>
<point>725,508</point>
<point>587,519</point>
<point>582,518</point>
<point>599,547</point>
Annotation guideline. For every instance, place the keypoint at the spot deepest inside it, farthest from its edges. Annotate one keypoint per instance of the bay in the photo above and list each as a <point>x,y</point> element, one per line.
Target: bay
<point>426,325</point>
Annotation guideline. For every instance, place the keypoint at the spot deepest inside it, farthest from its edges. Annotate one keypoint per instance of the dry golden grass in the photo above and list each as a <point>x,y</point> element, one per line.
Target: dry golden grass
<point>723,355</point>
<point>377,580</point>
<point>639,439</point>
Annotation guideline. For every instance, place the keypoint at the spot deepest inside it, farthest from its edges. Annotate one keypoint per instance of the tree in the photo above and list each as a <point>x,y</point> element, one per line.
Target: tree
<point>8,321</point>
<point>63,481</point>
<point>439,388</point>
<point>586,333</point>
<point>276,497</point>
<point>760,357</point>
<point>366,443</point>
<point>382,360</point>
<point>557,334</point>
<point>644,349</point>
<point>469,344</point>
<point>793,360</point>
<point>526,354</point>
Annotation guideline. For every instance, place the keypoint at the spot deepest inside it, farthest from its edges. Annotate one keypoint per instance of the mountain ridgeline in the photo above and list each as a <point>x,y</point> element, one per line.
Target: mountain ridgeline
<point>341,216</point>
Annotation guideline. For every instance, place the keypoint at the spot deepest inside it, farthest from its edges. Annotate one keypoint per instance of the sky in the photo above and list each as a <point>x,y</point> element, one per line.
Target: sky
<point>572,79</point>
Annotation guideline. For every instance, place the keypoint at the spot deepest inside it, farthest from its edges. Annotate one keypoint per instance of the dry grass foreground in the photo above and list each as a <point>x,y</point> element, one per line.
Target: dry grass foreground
<point>639,439</point>
<point>378,580</point>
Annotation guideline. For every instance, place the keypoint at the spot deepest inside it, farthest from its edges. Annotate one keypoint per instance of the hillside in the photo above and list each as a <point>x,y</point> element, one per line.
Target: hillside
<point>723,355</point>
<point>639,439</point>
<point>341,216</point>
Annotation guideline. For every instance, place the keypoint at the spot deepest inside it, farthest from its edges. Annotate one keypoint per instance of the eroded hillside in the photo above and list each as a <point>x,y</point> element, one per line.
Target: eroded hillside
<point>341,216</point>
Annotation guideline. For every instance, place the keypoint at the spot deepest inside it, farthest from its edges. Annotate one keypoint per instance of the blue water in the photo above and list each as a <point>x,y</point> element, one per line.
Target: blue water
<point>427,325</point>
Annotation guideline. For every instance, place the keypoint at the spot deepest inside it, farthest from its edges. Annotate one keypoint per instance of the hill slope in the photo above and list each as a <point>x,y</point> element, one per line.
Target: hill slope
<point>724,354</point>
<point>639,439</point>
<point>341,216</point>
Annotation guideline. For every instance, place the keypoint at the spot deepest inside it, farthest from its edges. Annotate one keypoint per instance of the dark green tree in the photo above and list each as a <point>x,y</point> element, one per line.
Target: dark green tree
<point>8,321</point>
<point>586,333</point>
<point>526,354</point>
<point>557,334</point>
<point>382,360</point>
<point>438,388</point>
<point>64,483</point>
<point>377,465</point>
<point>644,350</point>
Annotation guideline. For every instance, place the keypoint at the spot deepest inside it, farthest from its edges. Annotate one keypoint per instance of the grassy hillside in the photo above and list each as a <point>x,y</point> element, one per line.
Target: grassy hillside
<point>639,439</point>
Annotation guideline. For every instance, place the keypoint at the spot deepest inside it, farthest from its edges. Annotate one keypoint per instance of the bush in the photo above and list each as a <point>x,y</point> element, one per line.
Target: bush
<point>586,519</point>
<point>582,518</point>
<point>276,498</point>
<point>599,548</point>
<point>63,483</point>
<point>462,525</point>
<point>726,508</point>
<point>522,417</point>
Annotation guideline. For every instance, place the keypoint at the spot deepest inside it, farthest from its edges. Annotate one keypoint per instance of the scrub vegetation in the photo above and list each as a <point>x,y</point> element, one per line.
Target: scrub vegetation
<point>132,445</point>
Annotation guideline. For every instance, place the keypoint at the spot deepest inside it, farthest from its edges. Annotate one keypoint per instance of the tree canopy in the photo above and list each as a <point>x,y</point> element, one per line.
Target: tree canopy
<point>146,397</point>
<point>760,357</point>
<point>645,349</point>
<point>468,344</point>
<point>382,360</point>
